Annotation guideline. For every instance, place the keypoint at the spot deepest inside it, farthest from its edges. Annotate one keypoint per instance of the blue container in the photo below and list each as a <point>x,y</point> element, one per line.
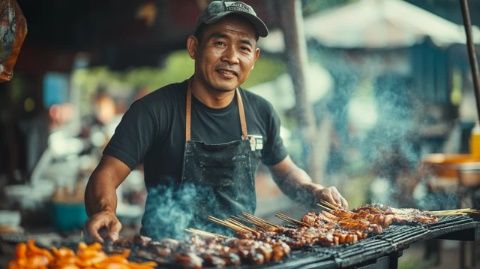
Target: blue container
<point>68,216</point>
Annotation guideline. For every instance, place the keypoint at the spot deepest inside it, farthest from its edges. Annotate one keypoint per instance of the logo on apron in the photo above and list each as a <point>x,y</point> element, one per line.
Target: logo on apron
<point>256,142</point>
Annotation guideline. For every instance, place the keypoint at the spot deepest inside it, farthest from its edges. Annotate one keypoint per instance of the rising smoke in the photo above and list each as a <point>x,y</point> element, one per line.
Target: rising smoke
<point>170,210</point>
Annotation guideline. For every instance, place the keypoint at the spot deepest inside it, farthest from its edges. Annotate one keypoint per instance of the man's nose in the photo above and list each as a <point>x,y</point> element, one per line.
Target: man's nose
<point>230,55</point>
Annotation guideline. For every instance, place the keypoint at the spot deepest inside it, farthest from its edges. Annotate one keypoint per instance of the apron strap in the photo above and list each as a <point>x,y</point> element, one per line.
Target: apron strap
<point>241,112</point>
<point>188,114</point>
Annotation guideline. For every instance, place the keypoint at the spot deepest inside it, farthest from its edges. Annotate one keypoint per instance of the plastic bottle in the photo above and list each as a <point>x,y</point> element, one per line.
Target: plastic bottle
<point>475,141</point>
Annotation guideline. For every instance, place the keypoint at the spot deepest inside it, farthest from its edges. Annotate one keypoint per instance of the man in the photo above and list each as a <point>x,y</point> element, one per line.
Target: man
<point>200,140</point>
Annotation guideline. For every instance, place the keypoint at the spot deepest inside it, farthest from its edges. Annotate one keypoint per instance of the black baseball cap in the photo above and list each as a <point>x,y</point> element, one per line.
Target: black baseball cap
<point>218,9</point>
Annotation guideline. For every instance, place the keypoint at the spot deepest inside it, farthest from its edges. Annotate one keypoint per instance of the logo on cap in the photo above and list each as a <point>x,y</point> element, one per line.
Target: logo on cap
<point>239,6</point>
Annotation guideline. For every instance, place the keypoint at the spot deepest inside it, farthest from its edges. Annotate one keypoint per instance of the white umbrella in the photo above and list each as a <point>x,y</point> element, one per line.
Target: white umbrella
<point>375,24</point>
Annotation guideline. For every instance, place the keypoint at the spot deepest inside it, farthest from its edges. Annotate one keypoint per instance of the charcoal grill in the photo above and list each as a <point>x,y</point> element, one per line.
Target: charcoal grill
<point>383,250</point>
<point>380,251</point>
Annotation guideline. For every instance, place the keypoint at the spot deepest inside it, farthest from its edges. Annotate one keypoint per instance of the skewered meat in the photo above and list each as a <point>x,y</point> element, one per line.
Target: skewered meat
<point>338,226</point>
<point>404,215</point>
<point>188,260</point>
<point>269,242</point>
<point>198,252</point>
<point>279,251</point>
<point>212,260</point>
<point>128,242</point>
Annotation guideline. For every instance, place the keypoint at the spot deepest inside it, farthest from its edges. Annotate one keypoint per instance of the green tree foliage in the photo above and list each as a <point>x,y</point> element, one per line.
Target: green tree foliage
<point>177,67</point>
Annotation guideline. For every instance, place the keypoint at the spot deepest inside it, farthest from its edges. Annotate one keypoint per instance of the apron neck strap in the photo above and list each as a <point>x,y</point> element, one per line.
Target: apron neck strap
<point>188,114</point>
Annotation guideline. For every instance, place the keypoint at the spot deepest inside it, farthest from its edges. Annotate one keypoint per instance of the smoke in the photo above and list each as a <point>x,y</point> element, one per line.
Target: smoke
<point>434,200</point>
<point>390,146</point>
<point>167,213</point>
<point>380,135</point>
<point>170,210</point>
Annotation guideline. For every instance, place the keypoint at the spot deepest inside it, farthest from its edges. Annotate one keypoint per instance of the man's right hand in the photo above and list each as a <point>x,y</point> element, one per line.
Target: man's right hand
<point>103,226</point>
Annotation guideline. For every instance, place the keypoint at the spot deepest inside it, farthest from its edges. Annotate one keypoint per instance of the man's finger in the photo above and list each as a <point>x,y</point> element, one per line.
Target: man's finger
<point>344,203</point>
<point>114,230</point>
<point>328,196</point>
<point>93,231</point>
<point>339,200</point>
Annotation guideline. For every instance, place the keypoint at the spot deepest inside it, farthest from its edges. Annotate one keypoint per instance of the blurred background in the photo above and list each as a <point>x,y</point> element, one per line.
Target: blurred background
<point>369,92</point>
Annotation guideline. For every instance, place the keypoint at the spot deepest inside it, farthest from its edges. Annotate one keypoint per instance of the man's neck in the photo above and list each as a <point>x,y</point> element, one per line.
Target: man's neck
<point>210,97</point>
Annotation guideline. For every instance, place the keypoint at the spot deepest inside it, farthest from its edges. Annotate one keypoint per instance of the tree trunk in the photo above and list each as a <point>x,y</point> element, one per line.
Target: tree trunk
<point>291,22</point>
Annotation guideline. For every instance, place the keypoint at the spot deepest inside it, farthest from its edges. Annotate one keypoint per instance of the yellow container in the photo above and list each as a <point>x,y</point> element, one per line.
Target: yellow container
<point>475,142</point>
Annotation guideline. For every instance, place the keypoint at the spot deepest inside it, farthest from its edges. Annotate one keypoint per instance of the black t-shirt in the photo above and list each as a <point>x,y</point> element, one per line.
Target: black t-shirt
<point>152,131</point>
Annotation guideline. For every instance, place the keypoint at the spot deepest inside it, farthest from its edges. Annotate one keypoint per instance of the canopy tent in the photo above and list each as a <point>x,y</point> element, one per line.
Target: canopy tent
<point>373,24</point>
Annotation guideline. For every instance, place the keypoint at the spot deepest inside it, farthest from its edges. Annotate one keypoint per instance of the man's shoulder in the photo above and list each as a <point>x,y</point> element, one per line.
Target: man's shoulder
<point>167,93</point>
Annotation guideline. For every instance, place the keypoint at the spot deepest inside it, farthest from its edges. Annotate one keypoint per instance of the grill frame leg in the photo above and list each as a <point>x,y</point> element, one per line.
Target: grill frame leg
<point>462,255</point>
<point>473,256</point>
<point>393,260</point>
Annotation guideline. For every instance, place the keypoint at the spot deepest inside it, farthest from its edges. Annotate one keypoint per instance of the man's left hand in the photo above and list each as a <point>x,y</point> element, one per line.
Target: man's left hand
<point>331,195</point>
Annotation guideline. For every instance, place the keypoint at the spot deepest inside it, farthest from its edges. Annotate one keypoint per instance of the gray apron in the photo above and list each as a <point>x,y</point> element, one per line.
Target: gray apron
<point>217,180</point>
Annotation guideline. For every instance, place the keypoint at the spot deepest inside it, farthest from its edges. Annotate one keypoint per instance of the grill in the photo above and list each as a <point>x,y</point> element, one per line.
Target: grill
<point>383,250</point>
<point>380,251</point>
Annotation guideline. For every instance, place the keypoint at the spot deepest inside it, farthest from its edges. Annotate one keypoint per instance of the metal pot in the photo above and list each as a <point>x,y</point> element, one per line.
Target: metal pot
<point>469,174</point>
<point>444,165</point>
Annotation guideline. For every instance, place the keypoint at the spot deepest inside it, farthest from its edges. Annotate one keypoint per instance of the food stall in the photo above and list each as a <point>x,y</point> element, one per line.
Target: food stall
<point>373,236</point>
<point>366,237</point>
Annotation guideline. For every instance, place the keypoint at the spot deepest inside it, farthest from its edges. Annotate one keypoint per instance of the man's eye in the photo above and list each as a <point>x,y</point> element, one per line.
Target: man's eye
<point>220,43</point>
<point>246,49</point>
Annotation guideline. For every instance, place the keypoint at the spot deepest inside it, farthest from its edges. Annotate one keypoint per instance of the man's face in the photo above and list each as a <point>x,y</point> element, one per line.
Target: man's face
<point>225,53</point>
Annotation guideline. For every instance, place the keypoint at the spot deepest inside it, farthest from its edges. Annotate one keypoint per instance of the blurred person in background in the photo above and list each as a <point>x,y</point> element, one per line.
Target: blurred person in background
<point>200,140</point>
<point>100,126</point>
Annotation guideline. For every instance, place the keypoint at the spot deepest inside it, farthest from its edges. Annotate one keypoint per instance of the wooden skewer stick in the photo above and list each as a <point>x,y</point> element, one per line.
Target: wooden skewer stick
<point>205,233</point>
<point>291,220</point>
<point>264,226</point>
<point>454,212</point>
<point>257,224</point>
<point>260,220</point>
<point>332,206</point>
<point>228,225</point>
<point>450,214</point>
<point>464,210</point>
<point>241,225</point>
<point>243,219</point>
<point>325,207</point>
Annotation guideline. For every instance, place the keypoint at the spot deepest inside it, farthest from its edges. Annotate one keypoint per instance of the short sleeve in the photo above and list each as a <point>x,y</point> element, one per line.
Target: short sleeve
<point>133,136</point>
<point>274,150</point>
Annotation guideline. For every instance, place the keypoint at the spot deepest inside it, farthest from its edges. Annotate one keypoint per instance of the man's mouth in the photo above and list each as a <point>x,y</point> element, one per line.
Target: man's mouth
<point>227,73</point>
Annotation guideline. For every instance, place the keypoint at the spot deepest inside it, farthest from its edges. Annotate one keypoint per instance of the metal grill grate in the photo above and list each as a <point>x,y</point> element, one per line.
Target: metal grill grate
<point>392,240</point>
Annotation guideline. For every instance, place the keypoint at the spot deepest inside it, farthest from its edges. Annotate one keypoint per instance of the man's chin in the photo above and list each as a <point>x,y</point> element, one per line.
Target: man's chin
<point>226,87</point>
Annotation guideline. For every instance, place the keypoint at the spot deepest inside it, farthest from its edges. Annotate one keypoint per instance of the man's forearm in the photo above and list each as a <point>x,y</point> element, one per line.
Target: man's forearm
<point>297,185</point>
<point>100,194</point>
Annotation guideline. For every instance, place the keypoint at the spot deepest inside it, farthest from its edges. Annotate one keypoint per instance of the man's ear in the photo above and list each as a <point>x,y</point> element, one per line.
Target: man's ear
<point>192,46</point>
<point>257,54</point>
